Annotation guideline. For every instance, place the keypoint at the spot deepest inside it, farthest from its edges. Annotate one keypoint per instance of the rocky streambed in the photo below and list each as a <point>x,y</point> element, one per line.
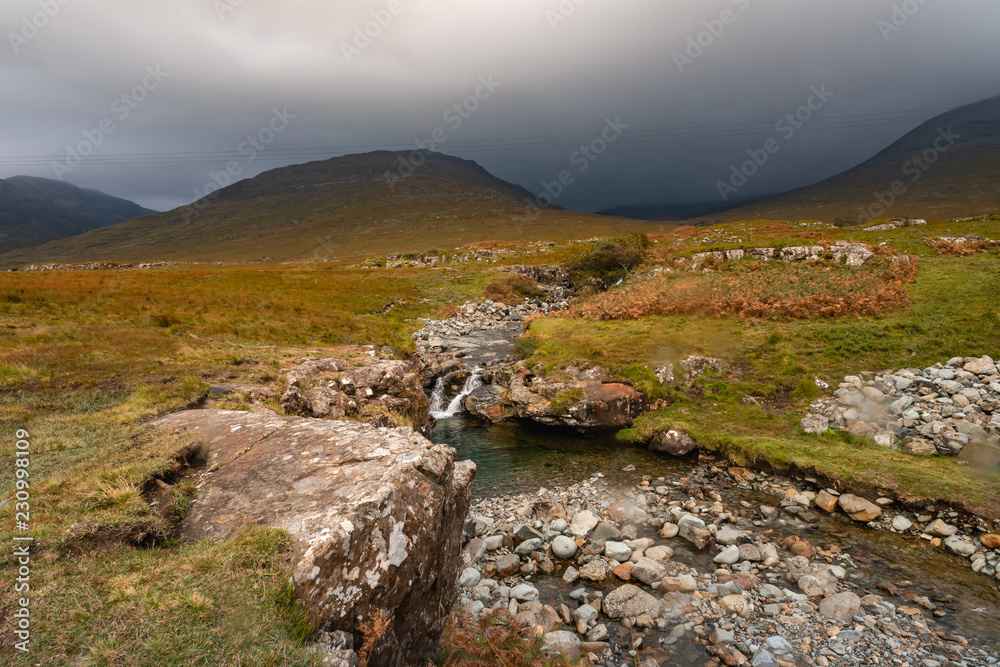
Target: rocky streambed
<point>622,556</point>
<point>683,562</point>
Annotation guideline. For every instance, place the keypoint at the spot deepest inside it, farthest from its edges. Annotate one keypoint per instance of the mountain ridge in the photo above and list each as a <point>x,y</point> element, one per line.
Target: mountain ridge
<point>36,210</point>
<point>929,172</point>
<point>344,208</point>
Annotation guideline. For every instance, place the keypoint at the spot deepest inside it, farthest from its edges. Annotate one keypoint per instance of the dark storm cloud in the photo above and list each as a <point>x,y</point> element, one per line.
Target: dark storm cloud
<point>561,70</point>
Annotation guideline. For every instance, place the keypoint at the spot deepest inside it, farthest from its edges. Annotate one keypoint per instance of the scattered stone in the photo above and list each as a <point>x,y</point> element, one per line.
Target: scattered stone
<point>842,606</point>
<point>628,601</point>
<point>561,642</point>
<point>939,528</point>
<point>858,508</point>
<point>901,523</point>
<point>563,547</point>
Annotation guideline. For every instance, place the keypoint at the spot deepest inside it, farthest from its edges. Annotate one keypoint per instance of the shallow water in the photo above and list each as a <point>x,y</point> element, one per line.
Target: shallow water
<point>523,458</point>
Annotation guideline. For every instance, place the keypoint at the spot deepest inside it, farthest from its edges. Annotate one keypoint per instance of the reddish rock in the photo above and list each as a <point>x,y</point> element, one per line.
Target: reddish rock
<point>376,515</point>
<point>742,475</point>
<point>696,535</point>
<point>797,546</point>
<point>624,571</point>
<point>858,508</point>
<point>990,541</point>
<point>580,402</point>
<point>826,501</point>
<point>508,565</point>
<point>747,581</point>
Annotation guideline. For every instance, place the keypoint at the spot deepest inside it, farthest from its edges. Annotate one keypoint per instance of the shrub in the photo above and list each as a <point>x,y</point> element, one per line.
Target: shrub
<point>526,345</point>
<point>609,261</point>
<point>514,290</point>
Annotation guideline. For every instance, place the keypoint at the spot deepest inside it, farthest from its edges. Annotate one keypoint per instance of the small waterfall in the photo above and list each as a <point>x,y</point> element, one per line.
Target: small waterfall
<point>437,397</point>
<point>472,383</point>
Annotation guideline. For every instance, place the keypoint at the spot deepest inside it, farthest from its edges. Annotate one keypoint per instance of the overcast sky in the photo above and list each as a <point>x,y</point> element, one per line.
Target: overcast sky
<point>201,76</point>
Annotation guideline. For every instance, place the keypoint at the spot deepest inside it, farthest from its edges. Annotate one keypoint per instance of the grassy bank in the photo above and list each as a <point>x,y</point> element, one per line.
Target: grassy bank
<point>953,311</point>
<point>87,358</point>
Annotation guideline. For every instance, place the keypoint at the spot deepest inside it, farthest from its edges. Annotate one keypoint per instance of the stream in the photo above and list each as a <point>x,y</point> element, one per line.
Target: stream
<point>520,458</point>
<point>519,462</point>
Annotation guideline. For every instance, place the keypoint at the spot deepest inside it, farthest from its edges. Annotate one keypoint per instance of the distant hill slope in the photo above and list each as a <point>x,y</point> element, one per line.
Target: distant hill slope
<point>35,210</point>
<point>342,208</point>
<point>963,181</point>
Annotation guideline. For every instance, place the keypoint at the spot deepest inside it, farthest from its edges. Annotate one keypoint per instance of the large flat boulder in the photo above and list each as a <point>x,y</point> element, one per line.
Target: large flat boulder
<point>376,514</point>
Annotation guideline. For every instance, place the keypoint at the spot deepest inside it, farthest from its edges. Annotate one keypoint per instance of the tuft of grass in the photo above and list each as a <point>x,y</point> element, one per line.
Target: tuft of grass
<point>564,400</point>
<point>114,494</point>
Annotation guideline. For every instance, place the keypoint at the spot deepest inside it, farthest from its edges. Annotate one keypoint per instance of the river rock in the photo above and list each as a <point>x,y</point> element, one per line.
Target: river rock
<point>647,571</point>
<point>842,606</point>
<point>750,552</point>
<point>596,570</point>
<point>628,601</point>
<point>939,528</point>
<point>675,443</point>
<point>528,546</point>
<point>618,551</point>
<point>604,531</point>
<point>901,523</point>
<point>697,535</point>
<point>960,546</point>
<point>469,578</point>
<point>990,541</point>
<point>376,515</point>
<point>778,645</point>
<point>920,447</point>
<point>583,522</point>
<point>561,642</point>
<point>981,367</point>
<point>368,388</point>
<point>940,410</point>
<point>524,593</point>
<point>684,583</point>
<point>507,565</point>
<point>563,547</point>
<point>659,554</point>
<point>668,530</point>
<point>729,556</point>
<point>735,604</point>
<point>826,501</point>
<point>490,402</point>
<point>577,403</point>
<point>858,508</point>
<point>728,535</point>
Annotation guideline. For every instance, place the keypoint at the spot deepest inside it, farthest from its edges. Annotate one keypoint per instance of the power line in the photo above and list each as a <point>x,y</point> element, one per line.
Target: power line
<point>696,132</point>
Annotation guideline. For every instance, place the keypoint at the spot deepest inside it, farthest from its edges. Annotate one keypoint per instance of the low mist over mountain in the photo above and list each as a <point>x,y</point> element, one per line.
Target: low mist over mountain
<point>343,208</point>
<point>947,167</point>
<point>35,210</point>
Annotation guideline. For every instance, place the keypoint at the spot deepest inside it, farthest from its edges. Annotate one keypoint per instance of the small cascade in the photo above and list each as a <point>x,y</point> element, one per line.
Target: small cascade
<point>437,397</point>
<point>473,382</point>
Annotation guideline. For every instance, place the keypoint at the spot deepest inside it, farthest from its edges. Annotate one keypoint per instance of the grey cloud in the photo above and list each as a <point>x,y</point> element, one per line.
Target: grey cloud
<point>605,59</point>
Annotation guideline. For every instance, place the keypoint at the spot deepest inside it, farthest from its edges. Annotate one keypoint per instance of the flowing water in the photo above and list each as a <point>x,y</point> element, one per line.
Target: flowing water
<point>457,404</point>
<point>521,458</point>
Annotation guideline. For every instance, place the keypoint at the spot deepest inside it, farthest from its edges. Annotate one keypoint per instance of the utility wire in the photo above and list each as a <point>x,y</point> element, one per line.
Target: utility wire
<point>697,132</point>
